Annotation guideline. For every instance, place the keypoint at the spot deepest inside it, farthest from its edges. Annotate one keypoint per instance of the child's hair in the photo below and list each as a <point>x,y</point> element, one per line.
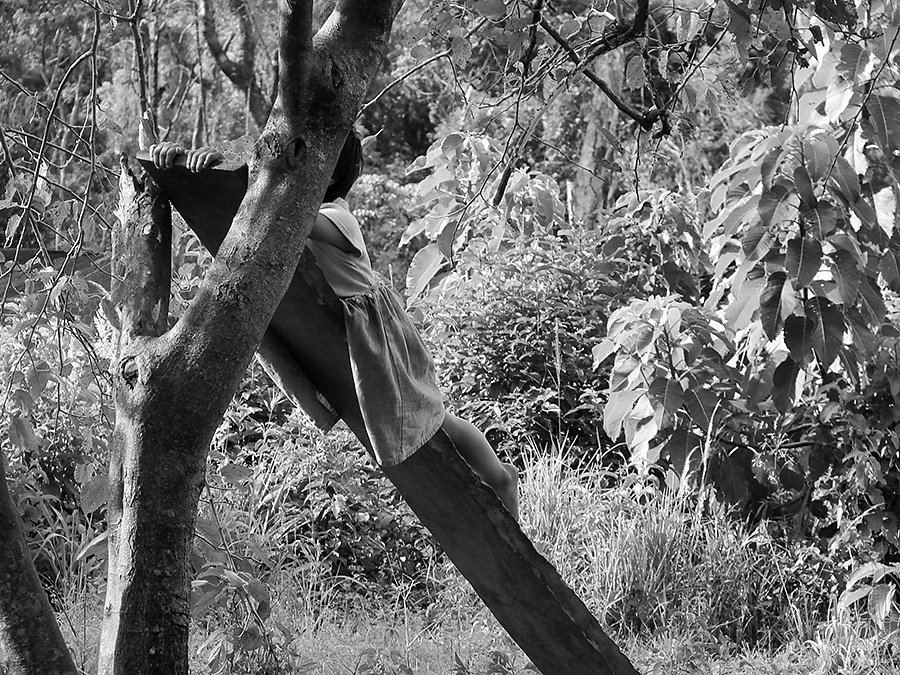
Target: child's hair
<point>346,171</point>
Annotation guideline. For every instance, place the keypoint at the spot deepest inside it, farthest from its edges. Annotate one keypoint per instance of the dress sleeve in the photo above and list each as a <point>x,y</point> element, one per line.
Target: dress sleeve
<point>346,222</point>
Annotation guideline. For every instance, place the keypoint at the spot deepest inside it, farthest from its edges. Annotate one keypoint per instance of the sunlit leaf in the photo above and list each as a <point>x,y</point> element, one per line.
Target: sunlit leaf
<point>617,407</point>
<point>886,209</point>
<point>635,78</point>
<point>884,113</point>
<point>424,266</point>
<point>881,601</point>
<point>854,61</point>
<point>818,158</point>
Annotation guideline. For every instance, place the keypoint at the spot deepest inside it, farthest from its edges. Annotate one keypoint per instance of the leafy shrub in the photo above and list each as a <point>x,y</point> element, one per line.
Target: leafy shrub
<point>512,339</point>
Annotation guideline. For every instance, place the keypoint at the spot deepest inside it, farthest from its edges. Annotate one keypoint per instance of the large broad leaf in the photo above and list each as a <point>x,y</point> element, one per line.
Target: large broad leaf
<point>854,61</point>
<point>884,112</point>
<point>701,404</point>
<point>770,304</point>
<point>847,274</point>
<point>890,269</point>
<point>871,303</point>
<point>667,394</point>
<point>799,336</point>
<point>784,380</point>
<point>616,408</point>
<point>817,158</point>
<point>803,260</point>
<point>756,242</point>
<point>821,220</point>
<point>828,328</point>
<point>425,265</point>
<point>775,204</point>
<point>682,451</point>
<point>804,186</point>
<point>770,166</point>
<point>846,180</point>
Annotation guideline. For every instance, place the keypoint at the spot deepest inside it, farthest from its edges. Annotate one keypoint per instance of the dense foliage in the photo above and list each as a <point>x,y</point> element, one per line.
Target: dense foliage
<point>674,251</point>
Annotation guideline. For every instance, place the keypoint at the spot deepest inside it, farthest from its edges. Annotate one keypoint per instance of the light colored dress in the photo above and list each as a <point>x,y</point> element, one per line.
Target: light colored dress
<point>393,373</point>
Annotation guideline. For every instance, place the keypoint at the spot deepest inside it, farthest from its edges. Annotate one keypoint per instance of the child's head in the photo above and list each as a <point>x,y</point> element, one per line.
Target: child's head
<point>346,171</point>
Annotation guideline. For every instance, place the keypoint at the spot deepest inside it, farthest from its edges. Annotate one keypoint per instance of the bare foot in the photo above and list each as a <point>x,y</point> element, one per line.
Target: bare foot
<point>509,491</point>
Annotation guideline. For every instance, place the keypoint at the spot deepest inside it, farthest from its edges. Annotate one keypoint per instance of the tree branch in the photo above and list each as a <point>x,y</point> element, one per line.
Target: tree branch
<point>30,639</point>
<point>645,120</point>
<point>393,83</point>
<point>240,73</point>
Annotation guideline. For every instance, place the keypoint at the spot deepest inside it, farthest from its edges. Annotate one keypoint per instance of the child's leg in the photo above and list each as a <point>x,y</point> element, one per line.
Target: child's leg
<point>479,454</point>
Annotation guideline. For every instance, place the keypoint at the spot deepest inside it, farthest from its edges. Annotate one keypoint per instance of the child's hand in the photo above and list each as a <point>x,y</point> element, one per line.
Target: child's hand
<point>203,158</point>
<point>164,154</point>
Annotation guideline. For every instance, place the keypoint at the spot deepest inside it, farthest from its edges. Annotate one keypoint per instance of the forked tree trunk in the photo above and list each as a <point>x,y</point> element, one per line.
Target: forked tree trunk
<point>30,640</point>
<point>173,385</point>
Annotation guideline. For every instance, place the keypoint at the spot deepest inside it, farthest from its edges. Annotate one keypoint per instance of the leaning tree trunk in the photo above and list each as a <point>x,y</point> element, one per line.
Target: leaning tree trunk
<point>30,640</point>
<point>173,387</point>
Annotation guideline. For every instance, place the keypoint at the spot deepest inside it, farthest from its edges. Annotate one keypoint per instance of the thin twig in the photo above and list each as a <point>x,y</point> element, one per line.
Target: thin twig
<point>645,120</point>
<point>536,12</point>
<point>401,78</point>
<point>7,155</point>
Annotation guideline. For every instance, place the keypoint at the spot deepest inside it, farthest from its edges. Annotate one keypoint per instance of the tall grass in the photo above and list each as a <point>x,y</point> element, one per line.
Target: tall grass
<point>683,586</point>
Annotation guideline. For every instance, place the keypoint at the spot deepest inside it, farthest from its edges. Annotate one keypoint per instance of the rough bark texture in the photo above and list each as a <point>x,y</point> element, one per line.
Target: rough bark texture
<point>173,387</point>
<point>147,607</point>
<point>30,640</point>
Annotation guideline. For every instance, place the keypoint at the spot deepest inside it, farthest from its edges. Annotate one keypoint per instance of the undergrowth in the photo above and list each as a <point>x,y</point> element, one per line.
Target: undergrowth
<point>298,571</point>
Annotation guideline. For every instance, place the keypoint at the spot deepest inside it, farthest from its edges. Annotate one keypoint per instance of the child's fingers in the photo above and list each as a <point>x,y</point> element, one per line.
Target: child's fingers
<point>164,154</point>
<point>171,152</point>
<point>202,158</point>
<point>212,158</point>
<point>156,155</point>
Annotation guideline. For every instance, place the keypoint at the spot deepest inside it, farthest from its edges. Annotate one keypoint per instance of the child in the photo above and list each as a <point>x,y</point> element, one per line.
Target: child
<point>392,370</point>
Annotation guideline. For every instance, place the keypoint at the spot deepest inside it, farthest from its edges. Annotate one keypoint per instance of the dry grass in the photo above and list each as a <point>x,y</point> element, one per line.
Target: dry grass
<point>677,583</point>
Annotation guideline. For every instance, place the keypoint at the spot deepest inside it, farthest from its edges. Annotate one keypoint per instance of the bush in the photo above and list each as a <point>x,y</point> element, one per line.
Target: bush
<point>512,340</point>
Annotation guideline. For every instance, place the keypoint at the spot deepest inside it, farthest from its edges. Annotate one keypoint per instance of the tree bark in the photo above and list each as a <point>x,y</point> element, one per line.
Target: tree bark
<point>30,639</point>
<point>173,387</point>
